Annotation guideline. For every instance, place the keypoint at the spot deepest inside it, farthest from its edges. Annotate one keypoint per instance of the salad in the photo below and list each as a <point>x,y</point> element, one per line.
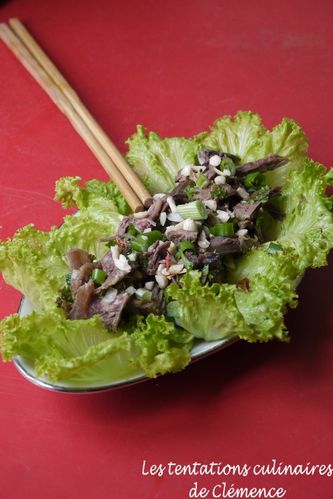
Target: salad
<point>238,214</point>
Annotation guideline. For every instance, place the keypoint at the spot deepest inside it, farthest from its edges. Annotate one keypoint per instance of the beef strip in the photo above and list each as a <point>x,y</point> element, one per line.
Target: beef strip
<point>205,154</point>
<point>109,310</point>
<point>81,276</point>
<point>225,245</point>
<point>158,252</point>
<point>83,299</point>
<point>229,191</point>
<point>204,194</point>
<point>178,189</point>
<point>153,306</point>
<point>114,275</point>
<point>210,173</point>
<point>140,224</point>
<point>246,211</point>
<point>209,258</point>
<point>178,235</point>
<point>77,257</point>
<point>262,165</point>
<point>247,243</point>
<point>156,208</point>
<point>274,211</point>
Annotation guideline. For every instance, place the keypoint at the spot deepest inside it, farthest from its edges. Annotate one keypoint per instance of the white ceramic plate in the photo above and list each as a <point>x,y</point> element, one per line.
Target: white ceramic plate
<point>26,368</point>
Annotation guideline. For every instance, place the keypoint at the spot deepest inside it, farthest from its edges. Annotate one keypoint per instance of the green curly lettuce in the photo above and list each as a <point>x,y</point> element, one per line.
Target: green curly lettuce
<point>157,161</point>
<point>83,351</point>
<point>34,261</point>
<point>163,347</point>
<point>208,312</point>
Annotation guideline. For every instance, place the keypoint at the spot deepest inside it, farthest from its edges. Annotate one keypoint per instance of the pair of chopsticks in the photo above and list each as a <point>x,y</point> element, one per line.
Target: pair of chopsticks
<point>31,55</point>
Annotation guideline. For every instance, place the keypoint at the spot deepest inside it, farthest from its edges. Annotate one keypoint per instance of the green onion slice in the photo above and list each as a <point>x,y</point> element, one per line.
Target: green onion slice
<point>202,181</point>
<point>223,230</point>
<point>195,210</point>
<point>98,276</point>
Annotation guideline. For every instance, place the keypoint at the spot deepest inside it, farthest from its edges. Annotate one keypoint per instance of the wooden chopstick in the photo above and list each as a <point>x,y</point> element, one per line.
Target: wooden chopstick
<point>30,54</point>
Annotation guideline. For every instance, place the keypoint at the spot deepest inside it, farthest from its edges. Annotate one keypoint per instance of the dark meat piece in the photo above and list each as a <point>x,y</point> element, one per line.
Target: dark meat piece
<point>178,235</point>
<point>225,245</point>
<point>107,262</point>
<point>82,301</point>
<point>158,252</point>
<point>204,194</point>
<point>205,154</point>
<point>274,211</point>
<point>229,190</point>
<point>243,284</point>
<point>262,165</point>
<point>109,310</point>
<point>140,224</point>
<point>81,276</point>
<point>77,257</point>
<point>211,173</point>
<point>156,208</point>
<point>209,258</point>
<point>114,275</point>
<point>180,187</point>
<point>154,306</point>
<point>246,211</point>
<point>247,243</point>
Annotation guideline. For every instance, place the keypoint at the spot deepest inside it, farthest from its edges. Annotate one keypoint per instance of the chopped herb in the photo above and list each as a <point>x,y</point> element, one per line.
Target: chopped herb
<point>218,192</point>
<point>254,181</point>
<point>68,278</point>
<point>113,242</point>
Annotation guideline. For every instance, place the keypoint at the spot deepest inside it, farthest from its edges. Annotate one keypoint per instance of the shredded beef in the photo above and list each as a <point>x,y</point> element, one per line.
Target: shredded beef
<point>114,275</point>
<point>77,257</point>
<point>158,252</point>
<point>153,306</point>
<point>140,224</point>
<point>204,194</point>
<point>110,311</point>
<point>262,165</point>
<point>246,211</point>
<point>225,245</point>
<point>81,276</point>
<point>82,301</point>
<point>178,235</point>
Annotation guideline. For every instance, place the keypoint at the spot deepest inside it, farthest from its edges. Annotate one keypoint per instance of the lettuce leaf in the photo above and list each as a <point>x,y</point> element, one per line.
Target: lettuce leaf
<point>86,353</point>
<point>163,348</point>
<point>272,282</point>
<point>96,195</point>
<point>308,223</point>
<point>62,348</point>
<point>208,312</point>
<point>83,351</point>
<point>34,261</point>
<point>157,161</point>
<point>246,137</point>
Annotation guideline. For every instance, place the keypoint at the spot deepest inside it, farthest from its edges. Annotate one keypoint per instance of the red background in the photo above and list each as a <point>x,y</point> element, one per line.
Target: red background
<point>174,66</point>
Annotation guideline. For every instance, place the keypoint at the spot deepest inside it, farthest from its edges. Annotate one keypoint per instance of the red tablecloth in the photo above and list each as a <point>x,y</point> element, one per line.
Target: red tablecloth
<point>174,66</point>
